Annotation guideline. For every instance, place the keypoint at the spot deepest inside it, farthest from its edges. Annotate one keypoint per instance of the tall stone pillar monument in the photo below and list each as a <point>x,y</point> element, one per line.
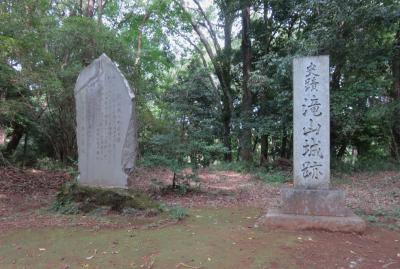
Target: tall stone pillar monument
<point>312,203</point>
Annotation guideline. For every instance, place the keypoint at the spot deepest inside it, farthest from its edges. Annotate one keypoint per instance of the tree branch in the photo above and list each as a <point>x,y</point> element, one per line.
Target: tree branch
<point>196,28</point>
<point>209,26</point>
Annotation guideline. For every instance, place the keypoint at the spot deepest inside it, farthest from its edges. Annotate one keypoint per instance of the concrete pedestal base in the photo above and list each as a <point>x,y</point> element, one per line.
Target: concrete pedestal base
<point>313,209</point>
<point>277,219</point>
<point>319,202</point>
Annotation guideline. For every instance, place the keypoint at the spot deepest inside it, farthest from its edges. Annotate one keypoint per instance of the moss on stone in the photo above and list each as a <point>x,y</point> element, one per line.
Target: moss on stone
<point>87,198</point>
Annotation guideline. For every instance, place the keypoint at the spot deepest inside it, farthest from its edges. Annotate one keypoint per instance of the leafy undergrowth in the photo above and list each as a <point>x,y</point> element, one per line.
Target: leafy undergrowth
<point>384,218</point>
<point>74,198</point>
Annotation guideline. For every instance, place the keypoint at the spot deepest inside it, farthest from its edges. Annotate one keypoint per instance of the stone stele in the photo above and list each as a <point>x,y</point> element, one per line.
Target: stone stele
<point>106,125</point>
<point>312,204</point>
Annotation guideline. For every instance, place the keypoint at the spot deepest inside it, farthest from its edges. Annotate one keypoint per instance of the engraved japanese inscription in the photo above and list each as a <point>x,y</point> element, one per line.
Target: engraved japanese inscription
<point>106,129</point>
<point>311,122</point>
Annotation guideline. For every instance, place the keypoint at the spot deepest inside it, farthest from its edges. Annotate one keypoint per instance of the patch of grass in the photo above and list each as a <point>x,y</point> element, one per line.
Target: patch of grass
<point>210,238</point>
<point>372,219</point>
<point>385,218</point>
<point>370,164</point>
<point>240,167</point>
<point>272,176</point>
<point>65,207</point>
<point>49,164</point>
<point>74,198</point>
<point>178,213</point>
<point>269,174</point>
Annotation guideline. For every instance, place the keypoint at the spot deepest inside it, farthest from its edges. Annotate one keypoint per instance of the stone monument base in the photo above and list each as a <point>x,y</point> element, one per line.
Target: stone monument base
<point>304,209</point>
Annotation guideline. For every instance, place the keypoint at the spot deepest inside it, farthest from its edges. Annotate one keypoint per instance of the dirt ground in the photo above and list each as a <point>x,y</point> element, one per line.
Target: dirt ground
<point>219,232</point>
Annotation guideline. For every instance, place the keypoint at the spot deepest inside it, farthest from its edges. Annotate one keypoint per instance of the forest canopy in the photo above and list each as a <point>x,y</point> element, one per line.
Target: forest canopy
<point>212,79</point>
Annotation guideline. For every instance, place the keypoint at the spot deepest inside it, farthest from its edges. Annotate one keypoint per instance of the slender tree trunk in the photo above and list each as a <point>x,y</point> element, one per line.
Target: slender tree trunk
<point>247,97</point>
<point>226,121</point>
<point>16,136</point>
<point>395,147</point>
<point>289,151</point>
<point>264,135</point>
<point>90,8</point>
<point>81,6</point>
<point>100,6</point>
<point>2,135</point>
<point>283,144</point>
<point>221,61</point>
<point>264,149</point>
<point>225,81</point>
<point>263,94</point>
<point>342,151</point>
<point>25,149</point>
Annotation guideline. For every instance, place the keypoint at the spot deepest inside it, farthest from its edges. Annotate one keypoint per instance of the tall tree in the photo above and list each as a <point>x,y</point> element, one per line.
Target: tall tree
<point>247,95</point>
<point>221,58</point>
<point>395,147</point>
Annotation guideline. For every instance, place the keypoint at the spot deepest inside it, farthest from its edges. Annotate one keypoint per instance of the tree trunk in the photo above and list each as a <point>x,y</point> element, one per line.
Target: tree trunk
<point>264,150</point>
<point>341,151</point>
<point>25,149</point>
<point>90,8</point>
<point>16,136</point>
<point>263,94</point>
<point>81,6</point>
<point>283,144</point>
<point>247,97</point>
<point>221,61</point>
<point>100,6</point>
<point>226,121</point>
<point>2,135</point>
<point>395,147</point>
<point>225,82</point>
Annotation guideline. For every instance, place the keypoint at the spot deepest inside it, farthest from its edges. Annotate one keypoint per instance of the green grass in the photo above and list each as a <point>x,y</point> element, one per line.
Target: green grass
<point>268,174</point>
<point>208,238</point>
<point>365,165</point>
<point>385,218</point>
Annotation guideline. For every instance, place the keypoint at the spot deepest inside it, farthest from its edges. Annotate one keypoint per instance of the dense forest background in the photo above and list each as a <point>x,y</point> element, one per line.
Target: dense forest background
<point>212,78</point>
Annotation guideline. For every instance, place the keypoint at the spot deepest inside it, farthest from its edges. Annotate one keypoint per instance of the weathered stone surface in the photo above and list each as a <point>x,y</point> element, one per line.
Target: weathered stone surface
<point>311,159</point>
<point>314,202</point>
<point>106,126</point>
<point>277,219</point>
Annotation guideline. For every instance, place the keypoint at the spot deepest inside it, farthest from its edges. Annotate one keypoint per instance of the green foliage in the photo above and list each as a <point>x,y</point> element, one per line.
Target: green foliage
<point>65,207</point>
<point>372,219</point>
<point>181,103</point>
<point>241,167</point>
<point>178,213</point>
<point>273,176</point>
<point>49,164</point>
<point>389,219</point>
<point>55,165</point>
<point>265,174</point>
<point>366,164</point>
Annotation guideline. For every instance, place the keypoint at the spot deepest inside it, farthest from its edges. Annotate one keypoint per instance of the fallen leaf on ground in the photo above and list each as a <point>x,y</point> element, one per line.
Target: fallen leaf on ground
<point>185,265</point>
<point>91,257</point>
